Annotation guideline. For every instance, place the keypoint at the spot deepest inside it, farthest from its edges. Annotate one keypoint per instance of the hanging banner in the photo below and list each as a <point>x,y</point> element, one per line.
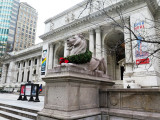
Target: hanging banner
<point>141,51</point>
<point>44,57</point>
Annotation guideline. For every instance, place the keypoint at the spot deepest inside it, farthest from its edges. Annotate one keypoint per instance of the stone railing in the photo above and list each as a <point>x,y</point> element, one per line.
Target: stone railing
<point>129,104</point>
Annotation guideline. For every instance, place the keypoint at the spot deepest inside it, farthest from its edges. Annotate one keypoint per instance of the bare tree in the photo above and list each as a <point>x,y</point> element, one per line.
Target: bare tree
<point>152,42</point>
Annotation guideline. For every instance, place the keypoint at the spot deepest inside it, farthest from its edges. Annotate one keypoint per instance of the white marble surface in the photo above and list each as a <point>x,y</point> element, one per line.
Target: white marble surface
<point>1,118</point>
<point>11,99</point>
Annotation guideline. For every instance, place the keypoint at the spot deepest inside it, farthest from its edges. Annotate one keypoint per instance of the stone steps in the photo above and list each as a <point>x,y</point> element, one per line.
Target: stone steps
<point>2,118</point>
<point>118,84</point>
<point>17,113</point>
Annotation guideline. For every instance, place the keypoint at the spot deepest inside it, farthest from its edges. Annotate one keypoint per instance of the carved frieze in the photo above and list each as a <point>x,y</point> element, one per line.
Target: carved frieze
<point>70,17</point>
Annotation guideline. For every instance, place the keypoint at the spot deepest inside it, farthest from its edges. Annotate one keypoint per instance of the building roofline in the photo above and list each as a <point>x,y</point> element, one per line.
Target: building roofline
<point>66,11</point>
<point>27,5</point>
<point>27,50</point>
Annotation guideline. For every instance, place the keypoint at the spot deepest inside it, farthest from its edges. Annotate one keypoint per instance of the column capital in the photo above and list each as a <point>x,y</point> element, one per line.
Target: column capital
<point>51,44</point>
<point>91,31</point>
<point>98,29</point>
<point>31,59</point>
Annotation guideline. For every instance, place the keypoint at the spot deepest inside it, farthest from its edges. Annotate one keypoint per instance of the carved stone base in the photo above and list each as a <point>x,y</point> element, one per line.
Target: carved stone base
<point>75,68</point>
<point>72,95</point>
<point>48,114</point>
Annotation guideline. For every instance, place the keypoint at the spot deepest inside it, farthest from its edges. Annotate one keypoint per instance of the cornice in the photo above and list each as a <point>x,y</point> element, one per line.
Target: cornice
<point>67,11</point>
<point>153,6</point>
<point>26,52</point>
<point>87,18</point>
<point>22,57</point>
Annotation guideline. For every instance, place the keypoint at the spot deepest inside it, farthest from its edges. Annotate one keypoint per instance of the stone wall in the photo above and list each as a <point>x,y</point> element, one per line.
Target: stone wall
<point>130,104</point>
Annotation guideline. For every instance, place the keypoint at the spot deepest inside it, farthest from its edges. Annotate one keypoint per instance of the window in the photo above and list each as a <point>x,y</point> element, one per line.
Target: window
<point>24,64</point>
<point>18,65</point>
<point>21,44</point>
<point>34,72</point>
<point>35,61</point>
<point>28,76</point>
<point>22,76</point>
<point>29,62</point>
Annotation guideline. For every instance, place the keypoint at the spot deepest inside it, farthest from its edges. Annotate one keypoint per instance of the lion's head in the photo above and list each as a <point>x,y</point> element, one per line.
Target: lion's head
<point>76,44</point>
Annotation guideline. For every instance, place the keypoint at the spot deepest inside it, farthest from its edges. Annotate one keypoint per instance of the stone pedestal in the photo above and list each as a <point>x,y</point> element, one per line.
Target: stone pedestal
<point>72,93</point>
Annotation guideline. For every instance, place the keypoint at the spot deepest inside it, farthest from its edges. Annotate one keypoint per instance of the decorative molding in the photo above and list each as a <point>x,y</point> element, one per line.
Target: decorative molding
<point>87,18</point>
<point>67,11</point>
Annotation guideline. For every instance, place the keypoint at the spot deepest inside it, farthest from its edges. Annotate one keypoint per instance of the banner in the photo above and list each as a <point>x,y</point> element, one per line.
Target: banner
<point>22,89</point>
<point>44,57</point>
<point>34,89</point>
<point>141,51</point>
<point>28,90</point>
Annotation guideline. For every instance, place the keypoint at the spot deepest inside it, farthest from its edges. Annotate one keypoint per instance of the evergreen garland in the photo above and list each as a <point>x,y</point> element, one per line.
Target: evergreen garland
<point>80,58</point>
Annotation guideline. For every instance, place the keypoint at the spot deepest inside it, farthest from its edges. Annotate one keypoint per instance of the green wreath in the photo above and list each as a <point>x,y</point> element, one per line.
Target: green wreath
<point>80,58</point>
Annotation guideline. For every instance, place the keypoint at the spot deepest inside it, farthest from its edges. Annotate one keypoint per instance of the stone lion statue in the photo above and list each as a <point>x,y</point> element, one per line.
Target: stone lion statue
<point>77,45</point>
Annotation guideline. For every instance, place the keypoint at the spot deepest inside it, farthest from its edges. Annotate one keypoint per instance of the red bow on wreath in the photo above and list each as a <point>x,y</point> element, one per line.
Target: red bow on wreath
<point>63,60</point>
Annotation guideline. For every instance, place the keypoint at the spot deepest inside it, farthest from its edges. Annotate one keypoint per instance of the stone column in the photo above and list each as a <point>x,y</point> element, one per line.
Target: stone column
<point>25,71</point>
<point>98,43</point>
<point>66,53</point>
<point>50,65</point>
<point>40,66</point>
<point>91,42</point>
<point>11,73</point>
<point>20,72</point>
<point>55,55</point>
<point>31,69</point>
<point>37,67</point>
<point>16,71</point>
<point>128,47</point>
<point>4,73</point>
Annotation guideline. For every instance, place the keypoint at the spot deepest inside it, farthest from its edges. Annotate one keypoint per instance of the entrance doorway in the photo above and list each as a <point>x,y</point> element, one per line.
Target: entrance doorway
<point>115,54</point>
<point>58,54</point>
<point>122,72</point>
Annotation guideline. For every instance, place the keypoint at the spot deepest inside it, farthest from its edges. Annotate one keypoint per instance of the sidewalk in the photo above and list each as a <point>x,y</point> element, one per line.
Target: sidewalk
<point>11,99</point>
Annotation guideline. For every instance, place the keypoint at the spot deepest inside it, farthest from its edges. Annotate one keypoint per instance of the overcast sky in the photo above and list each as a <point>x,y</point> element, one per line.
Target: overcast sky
<point>47,9</point>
